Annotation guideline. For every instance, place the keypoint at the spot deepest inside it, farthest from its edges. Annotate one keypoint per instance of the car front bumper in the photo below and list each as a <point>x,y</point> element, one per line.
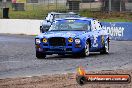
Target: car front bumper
<point>60,49</point>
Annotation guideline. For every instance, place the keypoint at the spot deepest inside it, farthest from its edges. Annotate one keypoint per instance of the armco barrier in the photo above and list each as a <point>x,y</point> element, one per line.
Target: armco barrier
<point>119,30</point>
<point>20,26</point>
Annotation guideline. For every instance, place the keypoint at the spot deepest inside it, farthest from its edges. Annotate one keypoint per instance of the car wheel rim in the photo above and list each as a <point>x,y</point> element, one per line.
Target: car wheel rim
<point>106,47</point>
<point>87,49</point>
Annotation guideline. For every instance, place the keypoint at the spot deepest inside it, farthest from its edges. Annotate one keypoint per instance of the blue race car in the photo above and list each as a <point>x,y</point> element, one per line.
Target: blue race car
<point>73,36</point>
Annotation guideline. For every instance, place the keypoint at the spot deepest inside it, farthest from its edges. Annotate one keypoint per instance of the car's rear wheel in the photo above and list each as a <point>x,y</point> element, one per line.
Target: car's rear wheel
<point>86,49</point>
<point>40,55</point>
<point>105,49</point>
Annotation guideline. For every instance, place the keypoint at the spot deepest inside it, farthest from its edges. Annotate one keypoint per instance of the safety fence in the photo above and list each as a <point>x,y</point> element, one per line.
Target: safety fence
<point>38,9</point>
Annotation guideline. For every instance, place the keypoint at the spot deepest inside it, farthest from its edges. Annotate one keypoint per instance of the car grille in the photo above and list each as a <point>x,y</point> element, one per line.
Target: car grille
<point>57,41</point>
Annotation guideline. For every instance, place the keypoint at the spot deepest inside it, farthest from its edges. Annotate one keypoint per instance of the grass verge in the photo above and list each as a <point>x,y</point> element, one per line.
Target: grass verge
<point>35,11</point>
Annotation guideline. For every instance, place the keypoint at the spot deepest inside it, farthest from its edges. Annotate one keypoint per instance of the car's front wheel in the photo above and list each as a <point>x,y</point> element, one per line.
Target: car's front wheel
<point>40,55</point>
<point>86,49</point>
<point>105,50</point>
<point>41,30</point>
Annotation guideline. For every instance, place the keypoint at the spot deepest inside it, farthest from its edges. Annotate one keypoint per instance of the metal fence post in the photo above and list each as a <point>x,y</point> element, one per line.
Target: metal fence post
<point>120,5</point>
<point>56,6</point>
<point>90,6</point>
<point>4,2</point>
<point>48,5</point>
<point>109,6</point>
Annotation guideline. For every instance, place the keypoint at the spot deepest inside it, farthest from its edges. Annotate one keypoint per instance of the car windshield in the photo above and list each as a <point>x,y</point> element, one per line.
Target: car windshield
<point>65,16</point>
<point>70,25</point>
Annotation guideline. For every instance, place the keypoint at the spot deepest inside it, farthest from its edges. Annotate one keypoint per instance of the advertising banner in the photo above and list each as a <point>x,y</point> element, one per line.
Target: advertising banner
<point>119,30</point>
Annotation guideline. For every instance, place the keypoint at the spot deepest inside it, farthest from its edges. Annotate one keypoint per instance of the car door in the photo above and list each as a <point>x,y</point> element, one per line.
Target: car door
<point>96,37</point>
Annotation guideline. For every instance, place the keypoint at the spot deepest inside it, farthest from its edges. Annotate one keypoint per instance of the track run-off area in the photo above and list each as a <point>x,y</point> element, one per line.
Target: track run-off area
<point>17,58</point>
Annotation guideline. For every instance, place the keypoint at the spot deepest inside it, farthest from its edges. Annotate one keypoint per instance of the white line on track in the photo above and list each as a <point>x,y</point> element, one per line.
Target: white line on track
<point>9,61</point>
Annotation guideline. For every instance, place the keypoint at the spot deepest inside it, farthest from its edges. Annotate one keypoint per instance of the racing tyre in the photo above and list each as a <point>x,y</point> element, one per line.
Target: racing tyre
<point>86,50</point>
<point>81,80</point>
<point>40,55</point>
<point>106,48</point>
<point>41,30</point>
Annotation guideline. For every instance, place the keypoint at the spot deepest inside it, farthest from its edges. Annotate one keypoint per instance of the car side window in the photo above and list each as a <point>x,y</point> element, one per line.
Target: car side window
<point>88,27</point>
<point>64,27</point>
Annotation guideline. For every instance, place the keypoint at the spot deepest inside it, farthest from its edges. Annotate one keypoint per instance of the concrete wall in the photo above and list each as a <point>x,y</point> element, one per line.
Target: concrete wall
<point>128,6</point>
<point>20,26</point>
<point>93,5</point>
<point>97,6</point>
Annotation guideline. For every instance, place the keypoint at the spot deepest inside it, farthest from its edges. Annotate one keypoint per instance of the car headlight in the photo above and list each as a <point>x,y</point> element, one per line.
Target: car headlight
<point>44,40</point>
<point>77,41</point>
<point>70,40</point>
<point>37,41</point>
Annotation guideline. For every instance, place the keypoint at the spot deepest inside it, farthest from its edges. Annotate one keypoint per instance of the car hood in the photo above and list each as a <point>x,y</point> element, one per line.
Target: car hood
<point>65,34</point>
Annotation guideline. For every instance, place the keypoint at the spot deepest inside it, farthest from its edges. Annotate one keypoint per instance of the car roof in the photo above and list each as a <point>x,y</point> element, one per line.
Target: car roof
<point>79,18</point>
<point>62,13</point>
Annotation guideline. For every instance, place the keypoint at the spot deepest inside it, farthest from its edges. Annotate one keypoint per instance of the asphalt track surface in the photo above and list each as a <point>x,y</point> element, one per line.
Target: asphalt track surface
<point>17,58</point>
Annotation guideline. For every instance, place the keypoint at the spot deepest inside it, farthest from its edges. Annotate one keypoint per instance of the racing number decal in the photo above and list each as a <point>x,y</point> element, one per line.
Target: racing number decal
<point>95,44</point>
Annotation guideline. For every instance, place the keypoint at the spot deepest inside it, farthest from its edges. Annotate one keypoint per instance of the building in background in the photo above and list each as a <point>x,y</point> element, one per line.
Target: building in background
<point>18,5</point>
<point>76,5</point>
<point>101,5</point>
<point>92,5</point>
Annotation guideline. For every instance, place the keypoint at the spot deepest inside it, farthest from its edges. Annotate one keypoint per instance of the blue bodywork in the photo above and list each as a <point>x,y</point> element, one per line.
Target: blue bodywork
<point>96,39</point>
